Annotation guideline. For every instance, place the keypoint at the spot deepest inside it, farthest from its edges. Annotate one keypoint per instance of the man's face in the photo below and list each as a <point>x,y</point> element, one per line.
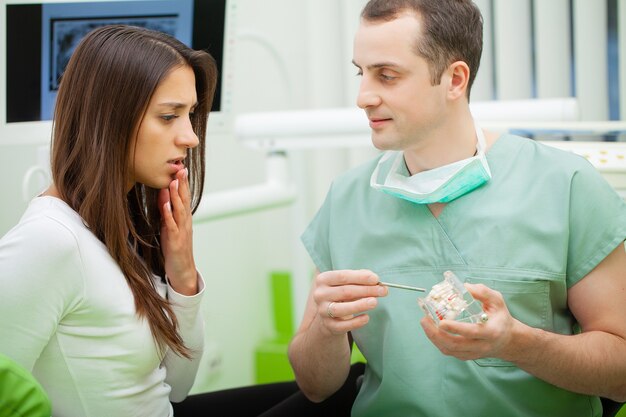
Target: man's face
<point>396,92</point>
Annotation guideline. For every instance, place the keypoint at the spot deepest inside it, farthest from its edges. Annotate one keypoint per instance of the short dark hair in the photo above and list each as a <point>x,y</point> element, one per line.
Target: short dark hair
<point>452,31</point>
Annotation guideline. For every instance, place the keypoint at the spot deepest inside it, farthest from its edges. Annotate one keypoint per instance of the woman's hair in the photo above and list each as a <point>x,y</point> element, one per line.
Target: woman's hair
<point>452,31</point>
<point>102,99</point>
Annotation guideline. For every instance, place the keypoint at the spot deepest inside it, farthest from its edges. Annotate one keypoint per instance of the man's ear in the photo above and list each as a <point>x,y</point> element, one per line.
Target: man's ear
<point>459,78</point>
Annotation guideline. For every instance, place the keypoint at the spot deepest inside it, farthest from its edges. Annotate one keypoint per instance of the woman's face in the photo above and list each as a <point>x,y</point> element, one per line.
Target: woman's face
<point>165,132</point>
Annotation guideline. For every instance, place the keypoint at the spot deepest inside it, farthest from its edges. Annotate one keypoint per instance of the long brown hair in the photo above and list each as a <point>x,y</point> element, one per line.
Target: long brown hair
<point>102,98</point>
<point>452,31</point>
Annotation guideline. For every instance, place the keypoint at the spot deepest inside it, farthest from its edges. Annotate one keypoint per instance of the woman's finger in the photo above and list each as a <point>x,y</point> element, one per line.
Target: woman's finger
<point>185,190</point>
<point>162,198</point>
<point>168,218</point>
<point>165,207</point>
<point>177,203</point>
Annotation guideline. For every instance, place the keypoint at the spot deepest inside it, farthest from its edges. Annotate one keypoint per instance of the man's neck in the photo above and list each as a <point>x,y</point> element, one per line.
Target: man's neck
<point>453,141</point>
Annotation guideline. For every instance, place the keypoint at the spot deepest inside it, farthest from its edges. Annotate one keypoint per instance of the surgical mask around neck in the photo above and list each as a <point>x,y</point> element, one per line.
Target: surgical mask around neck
<point>437,185</point>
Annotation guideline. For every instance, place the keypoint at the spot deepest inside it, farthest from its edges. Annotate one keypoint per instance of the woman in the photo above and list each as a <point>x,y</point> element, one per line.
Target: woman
<point>100,293</point>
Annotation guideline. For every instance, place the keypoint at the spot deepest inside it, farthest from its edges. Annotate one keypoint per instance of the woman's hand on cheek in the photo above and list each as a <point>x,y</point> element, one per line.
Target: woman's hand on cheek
<point>177,236</point>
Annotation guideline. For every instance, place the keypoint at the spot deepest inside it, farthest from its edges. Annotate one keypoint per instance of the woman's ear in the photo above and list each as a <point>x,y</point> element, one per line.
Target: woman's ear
<point>459,77</point>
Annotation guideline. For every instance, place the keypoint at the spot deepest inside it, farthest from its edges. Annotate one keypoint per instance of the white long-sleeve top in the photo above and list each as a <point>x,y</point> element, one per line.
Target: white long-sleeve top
<point>68,315</point>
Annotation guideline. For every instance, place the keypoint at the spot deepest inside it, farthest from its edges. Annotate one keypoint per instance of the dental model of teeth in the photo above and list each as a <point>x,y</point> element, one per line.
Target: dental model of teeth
<point>446,301</point>
<point>451,301</point>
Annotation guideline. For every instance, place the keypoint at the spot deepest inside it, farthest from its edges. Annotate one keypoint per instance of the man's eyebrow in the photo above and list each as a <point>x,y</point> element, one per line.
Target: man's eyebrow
<point>387,64</point>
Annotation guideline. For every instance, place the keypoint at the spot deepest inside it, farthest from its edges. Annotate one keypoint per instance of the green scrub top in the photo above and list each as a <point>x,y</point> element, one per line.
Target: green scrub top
<point>542,223</point>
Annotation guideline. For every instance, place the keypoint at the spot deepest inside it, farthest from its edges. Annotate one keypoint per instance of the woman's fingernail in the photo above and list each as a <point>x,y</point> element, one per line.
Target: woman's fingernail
<point>176,185</point>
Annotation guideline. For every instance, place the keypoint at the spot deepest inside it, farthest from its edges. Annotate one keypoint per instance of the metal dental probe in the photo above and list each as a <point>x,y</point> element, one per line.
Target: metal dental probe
<point>403,287</point>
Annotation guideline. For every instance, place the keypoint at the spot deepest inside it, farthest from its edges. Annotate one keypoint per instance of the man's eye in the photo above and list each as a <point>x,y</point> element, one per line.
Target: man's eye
<point>359,73</point>
<point>387,77</point>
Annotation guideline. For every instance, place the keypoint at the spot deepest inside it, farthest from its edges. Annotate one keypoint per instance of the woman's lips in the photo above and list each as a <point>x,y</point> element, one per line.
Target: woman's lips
<point>176,165</point>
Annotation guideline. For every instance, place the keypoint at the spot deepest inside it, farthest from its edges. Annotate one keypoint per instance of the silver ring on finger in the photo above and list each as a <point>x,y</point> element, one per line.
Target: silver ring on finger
<point>328,310</point>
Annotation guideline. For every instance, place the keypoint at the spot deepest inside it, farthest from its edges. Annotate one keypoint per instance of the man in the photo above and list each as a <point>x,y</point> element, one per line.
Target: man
<point>536,234</point>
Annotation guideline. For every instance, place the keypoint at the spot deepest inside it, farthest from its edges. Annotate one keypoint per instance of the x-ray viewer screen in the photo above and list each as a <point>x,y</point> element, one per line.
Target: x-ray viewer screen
<point>41,38</point>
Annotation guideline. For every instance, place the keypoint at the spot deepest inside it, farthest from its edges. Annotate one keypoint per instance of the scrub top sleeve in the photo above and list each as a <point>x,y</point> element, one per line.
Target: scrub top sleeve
<point>316,237</point>
<point>41,277</point>
<point>597,222</point>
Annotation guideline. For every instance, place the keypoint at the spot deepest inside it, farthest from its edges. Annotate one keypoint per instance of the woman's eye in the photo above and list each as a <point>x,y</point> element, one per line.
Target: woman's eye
<point>168,117</point>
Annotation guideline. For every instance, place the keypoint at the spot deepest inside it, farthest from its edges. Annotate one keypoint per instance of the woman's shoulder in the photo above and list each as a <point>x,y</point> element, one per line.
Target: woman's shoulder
<point>47,222</point>
<point>45,243</point>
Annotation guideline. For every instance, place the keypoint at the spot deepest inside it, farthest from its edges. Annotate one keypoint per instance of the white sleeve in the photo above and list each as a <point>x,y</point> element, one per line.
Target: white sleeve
<point>181,372</point>
<point>41,281</point>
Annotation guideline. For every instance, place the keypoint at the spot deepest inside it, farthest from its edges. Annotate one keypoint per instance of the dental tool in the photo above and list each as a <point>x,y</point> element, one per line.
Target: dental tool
<point>402,287</point>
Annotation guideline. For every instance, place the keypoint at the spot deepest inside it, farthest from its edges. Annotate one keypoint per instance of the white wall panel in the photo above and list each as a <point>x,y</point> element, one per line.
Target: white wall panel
<point>483,84</point>
<point>590,57</point>
<point>325,56</point>
<point>552,48</point>
<point>512,39</point>
<point>351,12</point>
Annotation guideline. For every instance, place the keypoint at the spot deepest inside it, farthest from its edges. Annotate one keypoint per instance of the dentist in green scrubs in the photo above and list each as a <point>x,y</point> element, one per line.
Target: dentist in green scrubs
<point>536,234</point>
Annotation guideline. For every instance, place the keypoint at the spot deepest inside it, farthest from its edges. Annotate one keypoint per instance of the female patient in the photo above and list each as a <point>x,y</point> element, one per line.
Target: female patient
<point>100,293</point>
